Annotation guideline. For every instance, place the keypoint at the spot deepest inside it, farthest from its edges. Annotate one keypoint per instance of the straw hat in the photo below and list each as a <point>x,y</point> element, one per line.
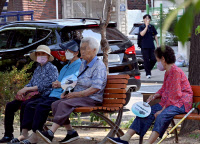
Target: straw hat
<point>42,48</point>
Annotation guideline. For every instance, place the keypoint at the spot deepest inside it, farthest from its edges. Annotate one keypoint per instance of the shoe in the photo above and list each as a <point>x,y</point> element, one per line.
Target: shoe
<point>70,138</point>
<point>148,76</point>
<point>26,142</point>
<point>15,140</point>
<point>6,139</point>
<point>117,140</point>
<point>45,136</point>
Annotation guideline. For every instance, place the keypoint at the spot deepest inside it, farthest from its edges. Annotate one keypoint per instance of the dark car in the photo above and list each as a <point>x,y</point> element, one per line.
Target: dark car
<point>19,39</point>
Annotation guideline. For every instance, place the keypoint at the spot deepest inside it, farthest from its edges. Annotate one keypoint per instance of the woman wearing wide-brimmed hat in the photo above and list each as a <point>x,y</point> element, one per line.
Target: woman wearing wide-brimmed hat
<point>40,85</point>
<point>36,112</point>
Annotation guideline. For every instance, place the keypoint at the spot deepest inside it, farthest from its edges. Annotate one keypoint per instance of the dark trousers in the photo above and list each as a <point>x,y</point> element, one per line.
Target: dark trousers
<point>36,113</point>
<point>141,125</point>
<point>149,59</point>
<point>10,110</point>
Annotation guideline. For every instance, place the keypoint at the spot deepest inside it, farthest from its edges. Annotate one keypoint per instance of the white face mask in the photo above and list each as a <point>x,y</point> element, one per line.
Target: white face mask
<point>69,55</point>
<point>42,59</point>
<point>160,66</point>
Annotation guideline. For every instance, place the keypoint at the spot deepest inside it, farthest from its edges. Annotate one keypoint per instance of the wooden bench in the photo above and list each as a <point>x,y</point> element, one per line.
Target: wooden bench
<point>114,99</point>
<point>192,116</point>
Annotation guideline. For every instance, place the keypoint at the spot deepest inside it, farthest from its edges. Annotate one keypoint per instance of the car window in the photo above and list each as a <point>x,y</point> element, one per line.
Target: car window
<point>134,31</point>
<point>4,37</point>
<point>42,33</point>
<point>111,34</point>
<point>22,37</point>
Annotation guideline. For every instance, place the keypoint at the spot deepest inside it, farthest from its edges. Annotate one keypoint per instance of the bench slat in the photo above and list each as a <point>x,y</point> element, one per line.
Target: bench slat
<point>117,81</point>
<point>118,77</point>
<point>116,86</point>
<point>114,96</point>
<point>115,91</point>
<point>114,101</point>
<point>113,105</point>
<point>84,109</point>
<point>192,116</point>
<point>196,90</point>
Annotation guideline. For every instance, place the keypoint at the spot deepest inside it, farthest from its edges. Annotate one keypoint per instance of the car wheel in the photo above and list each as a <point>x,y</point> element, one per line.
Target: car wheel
<point>128,96</point>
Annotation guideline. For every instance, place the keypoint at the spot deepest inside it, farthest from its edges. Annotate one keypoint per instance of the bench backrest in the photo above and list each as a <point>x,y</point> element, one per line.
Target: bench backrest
<point>196,94</point>
<point>115,91</point>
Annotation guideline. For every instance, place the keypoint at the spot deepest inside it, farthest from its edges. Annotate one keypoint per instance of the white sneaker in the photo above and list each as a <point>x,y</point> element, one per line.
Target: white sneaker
<point>148,76</point>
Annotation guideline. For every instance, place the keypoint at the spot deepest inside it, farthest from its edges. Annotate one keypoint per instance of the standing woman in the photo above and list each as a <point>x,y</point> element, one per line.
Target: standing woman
<point>147,34</point>
<point>43,76</point>
<point>176,98</point>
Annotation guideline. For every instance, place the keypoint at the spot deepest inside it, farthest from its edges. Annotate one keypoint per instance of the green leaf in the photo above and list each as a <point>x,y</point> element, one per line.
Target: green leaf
<point>197,104</point>
<point>193,105</point>
<point>184,25</point>
<point>197,30</point>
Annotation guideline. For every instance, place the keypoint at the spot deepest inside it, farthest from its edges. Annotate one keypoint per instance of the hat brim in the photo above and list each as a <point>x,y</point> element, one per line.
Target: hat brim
<point>70,45</point>
<point>34,57</point>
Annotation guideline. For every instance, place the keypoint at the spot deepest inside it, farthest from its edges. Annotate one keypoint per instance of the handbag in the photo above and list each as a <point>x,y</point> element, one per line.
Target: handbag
<point>27,95</point>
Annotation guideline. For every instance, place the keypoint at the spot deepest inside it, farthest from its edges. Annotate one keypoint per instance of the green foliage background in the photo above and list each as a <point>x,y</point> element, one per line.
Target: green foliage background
<point>11,82</point>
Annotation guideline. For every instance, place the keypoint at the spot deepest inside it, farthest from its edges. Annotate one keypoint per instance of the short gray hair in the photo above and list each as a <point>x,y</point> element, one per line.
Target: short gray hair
<point>92,42</point>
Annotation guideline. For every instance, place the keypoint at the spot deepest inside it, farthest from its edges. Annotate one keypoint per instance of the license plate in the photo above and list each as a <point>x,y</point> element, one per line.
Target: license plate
<point>111,58</point>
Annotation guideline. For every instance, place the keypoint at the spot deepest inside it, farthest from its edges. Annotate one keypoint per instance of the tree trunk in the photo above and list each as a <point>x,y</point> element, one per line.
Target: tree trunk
<point>103,25</point>
<point>194,77</point>
<point>2,3</point>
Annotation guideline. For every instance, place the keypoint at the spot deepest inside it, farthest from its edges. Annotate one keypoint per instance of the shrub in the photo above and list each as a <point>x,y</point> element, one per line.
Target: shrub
<point>11,82</point>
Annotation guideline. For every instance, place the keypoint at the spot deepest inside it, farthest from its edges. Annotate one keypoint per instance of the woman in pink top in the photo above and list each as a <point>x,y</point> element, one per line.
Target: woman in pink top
<point>176,98</point>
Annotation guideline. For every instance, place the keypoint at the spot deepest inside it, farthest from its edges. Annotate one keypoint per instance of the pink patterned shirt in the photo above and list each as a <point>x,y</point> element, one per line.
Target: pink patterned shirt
<point>176,89</point>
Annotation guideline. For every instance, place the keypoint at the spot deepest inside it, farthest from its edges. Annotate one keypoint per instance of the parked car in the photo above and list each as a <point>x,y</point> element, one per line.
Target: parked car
<point>19,39</point>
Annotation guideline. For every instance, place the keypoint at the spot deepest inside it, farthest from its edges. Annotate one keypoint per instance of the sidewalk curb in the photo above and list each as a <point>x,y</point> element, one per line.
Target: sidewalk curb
<point>153,81</point>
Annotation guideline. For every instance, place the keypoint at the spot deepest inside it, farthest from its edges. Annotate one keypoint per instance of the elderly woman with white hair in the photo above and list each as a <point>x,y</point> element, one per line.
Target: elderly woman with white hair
<point>89,90</point>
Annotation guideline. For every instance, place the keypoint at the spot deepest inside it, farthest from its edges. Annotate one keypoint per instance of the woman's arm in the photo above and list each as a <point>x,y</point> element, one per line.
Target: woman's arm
<point>27,89</point>
<point>84,93</point>
<point>153,97</point>
<point>142,33</point>
<point>156,38</point>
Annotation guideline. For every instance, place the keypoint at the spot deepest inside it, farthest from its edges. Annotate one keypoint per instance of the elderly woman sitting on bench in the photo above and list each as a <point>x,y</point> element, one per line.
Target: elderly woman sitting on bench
<point>176,98</point>
<point>89,90</point>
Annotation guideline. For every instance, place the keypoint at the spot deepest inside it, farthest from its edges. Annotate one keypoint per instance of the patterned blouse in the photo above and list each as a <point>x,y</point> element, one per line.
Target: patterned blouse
<point>43,77</point>
<point>176,89</point>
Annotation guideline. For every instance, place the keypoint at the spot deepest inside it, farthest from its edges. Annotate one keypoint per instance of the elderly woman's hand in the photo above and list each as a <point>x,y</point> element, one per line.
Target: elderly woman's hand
<point>72,95</point>
<point>153,97</point>
<point>56,84</point>
<point>22,91</point>
<point>157,113</point>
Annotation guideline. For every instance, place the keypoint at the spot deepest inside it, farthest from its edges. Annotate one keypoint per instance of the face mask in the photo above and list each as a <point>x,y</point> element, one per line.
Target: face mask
<point>160,66</point>
<point>42,59</point>
<point>69,55</point>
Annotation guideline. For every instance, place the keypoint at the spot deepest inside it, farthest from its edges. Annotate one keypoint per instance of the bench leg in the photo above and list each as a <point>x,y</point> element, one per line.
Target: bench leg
<point>141,140</point>
<point>175,131</point>
<point>115,126</point>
